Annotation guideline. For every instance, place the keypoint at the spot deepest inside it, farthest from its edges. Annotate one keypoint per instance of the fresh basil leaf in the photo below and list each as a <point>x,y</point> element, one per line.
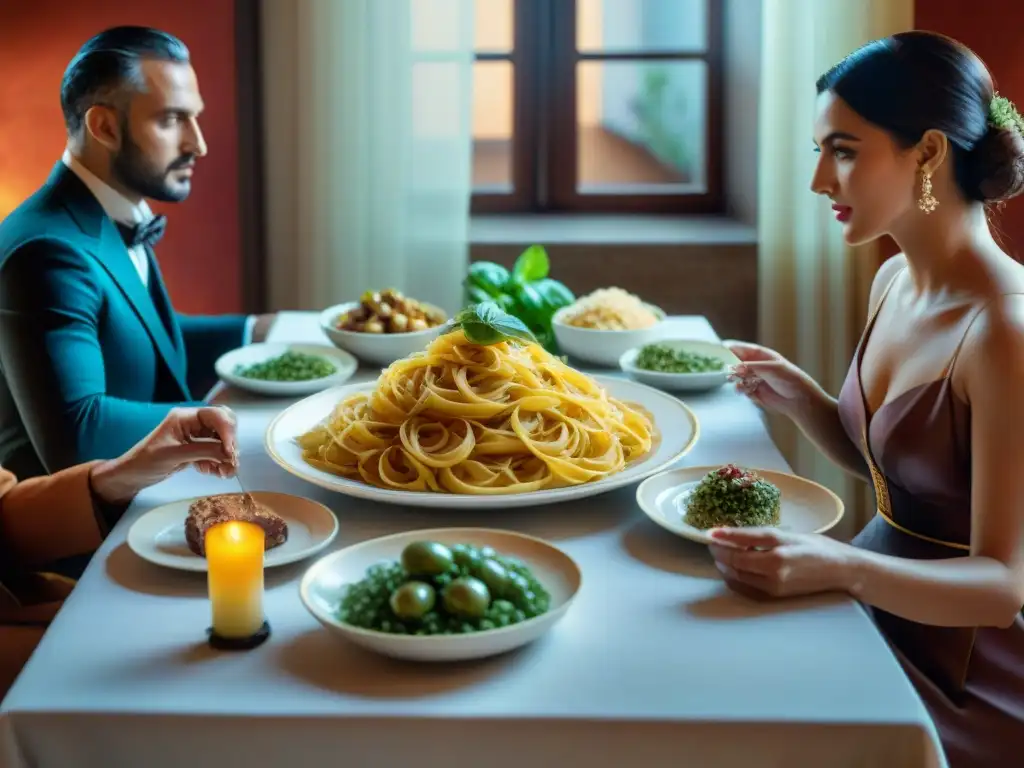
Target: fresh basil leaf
<point>476,330</point>
<point>531,307</point>
<point>475,294</point>
<point>531,265</point>
<point>506,302</point>
<point>514,328</point>
<point>481,333</point>
<point>468,314</point>
<point>508,325</point>
<point>555,294</point>
<point>486,323</point>
<point>488,276</point>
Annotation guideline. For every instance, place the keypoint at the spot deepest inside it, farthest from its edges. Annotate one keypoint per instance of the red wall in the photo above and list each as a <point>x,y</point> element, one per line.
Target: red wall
<point>200,255</point>
<point>992,29</point>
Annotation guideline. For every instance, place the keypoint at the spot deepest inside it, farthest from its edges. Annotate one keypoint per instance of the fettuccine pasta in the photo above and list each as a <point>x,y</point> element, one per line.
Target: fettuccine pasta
<point>480,419</point>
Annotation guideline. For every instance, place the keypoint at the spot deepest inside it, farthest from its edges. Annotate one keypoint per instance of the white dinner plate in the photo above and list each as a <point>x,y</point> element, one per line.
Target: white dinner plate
<point>227,368</point>
<point>324,583</point>
<point>677,424</point>
<point>806,506</point>
<point>682,382</point>
<point>159,535</point>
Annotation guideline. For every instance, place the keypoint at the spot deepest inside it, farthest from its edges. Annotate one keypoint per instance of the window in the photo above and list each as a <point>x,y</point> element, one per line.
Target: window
<point>597,105</point>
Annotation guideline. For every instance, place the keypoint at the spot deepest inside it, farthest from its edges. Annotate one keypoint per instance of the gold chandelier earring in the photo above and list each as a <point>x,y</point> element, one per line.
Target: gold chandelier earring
<point>927,202</point>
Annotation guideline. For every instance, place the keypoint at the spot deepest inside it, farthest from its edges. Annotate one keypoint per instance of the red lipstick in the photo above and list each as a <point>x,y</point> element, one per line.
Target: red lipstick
<point>843,212</point>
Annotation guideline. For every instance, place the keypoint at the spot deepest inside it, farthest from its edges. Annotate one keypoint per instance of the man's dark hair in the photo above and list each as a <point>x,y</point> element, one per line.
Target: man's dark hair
<point>107,69</point>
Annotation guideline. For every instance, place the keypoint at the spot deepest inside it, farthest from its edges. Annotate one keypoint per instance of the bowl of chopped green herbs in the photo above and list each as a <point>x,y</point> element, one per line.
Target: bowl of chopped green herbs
<point>286,370</point>
<point>444,594</point>
<point>690,365</point>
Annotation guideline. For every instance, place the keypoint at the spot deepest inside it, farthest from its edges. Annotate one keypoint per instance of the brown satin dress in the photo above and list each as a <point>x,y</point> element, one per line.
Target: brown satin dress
<point>918,448</point>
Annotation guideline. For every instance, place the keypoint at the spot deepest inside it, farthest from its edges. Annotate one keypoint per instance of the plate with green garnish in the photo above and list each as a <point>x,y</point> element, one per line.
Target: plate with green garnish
<point>286,370</point>
<point>691,501</point>
<point>682,365</point>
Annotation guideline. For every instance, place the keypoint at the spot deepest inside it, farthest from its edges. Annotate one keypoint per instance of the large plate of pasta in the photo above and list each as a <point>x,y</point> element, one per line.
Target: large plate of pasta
<point>465,425</point>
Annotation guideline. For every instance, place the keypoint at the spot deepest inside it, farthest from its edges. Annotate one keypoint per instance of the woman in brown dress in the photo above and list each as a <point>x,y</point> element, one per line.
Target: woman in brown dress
<point>914,143</point>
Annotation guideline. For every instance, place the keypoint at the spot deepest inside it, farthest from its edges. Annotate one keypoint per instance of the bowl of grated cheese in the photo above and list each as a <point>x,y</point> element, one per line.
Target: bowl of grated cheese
<point>601,326</point>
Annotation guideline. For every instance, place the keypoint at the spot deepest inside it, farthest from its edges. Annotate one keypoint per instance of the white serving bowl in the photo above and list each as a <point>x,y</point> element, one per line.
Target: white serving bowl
<point>375,348</point>
<point>591,345</point>
<point>324,583</point>
<point>345,365</point>
<point>682,382</point>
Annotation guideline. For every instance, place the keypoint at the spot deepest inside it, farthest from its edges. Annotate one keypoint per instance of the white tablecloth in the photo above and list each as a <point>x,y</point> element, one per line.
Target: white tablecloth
<point>657,664</point>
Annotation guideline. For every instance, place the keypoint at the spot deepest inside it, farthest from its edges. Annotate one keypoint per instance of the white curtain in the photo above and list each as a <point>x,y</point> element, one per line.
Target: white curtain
<point>813,288</point>
<point>368,148</point>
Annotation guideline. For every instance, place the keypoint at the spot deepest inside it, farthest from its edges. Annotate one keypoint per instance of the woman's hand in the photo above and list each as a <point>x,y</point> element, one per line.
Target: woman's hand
<point>202,437</point>
<point>771,381</point>
<point>766,562</point>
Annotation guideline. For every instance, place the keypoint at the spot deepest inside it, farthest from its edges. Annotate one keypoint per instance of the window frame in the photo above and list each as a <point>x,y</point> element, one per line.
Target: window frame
<point>544,145</point>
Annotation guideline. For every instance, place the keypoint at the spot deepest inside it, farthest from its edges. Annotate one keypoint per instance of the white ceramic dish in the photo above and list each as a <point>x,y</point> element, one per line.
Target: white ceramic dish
<point>602,347</point>
<point>682,382</point>
<point>806,506</point>
<point>159,535</point>
<point>677,424</point>
<point>375,348</point>
<point>324,583</point>
<point>228,363</point>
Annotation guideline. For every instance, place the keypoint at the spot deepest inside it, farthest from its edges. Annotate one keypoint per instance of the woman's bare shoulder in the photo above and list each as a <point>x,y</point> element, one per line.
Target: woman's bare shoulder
<point>993,344</point>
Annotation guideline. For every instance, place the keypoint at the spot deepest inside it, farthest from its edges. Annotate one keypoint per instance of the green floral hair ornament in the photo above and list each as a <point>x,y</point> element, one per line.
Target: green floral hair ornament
<point>1003,114</point>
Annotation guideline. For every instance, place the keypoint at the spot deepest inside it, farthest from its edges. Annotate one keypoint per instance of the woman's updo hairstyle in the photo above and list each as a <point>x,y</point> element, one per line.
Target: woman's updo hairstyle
<point>914,81</point>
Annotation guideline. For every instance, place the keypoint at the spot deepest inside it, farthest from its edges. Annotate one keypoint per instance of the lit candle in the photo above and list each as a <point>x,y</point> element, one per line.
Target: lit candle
<point>234,557</point>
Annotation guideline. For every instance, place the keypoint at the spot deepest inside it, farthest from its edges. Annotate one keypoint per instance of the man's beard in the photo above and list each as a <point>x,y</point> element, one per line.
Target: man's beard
<point>136,173</point>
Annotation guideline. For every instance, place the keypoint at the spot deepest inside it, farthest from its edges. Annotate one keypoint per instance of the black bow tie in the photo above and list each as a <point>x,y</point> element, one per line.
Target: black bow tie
<point>147,233</point>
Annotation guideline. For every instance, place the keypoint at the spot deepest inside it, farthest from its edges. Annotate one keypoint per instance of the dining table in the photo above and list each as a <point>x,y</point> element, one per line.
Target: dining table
<point>656,663</point>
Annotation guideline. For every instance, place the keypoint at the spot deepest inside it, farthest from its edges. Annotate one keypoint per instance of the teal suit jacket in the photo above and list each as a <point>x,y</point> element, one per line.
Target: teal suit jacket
<point>92,361</point>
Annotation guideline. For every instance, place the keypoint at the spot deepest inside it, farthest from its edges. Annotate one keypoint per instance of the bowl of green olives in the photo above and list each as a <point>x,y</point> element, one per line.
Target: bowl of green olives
<point>447,594</point>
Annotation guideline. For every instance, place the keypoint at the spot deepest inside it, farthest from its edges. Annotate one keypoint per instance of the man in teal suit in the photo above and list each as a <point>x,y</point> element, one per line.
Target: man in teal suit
<point>93,354</point>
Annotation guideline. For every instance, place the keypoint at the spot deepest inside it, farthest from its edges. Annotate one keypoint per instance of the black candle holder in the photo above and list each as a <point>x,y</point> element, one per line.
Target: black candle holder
<point>239,643</point>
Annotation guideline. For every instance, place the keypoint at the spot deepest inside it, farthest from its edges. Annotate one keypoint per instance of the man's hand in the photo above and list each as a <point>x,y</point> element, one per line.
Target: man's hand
<point>203,437</point>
